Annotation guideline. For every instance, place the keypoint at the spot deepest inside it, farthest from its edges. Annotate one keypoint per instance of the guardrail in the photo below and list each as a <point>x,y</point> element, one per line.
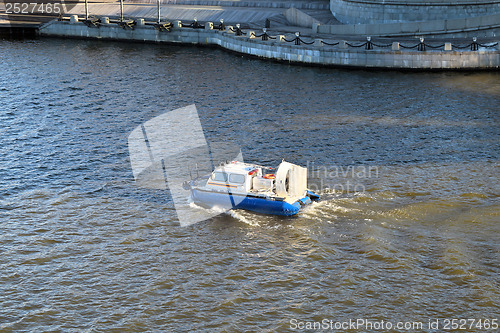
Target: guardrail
<point>296,39</point>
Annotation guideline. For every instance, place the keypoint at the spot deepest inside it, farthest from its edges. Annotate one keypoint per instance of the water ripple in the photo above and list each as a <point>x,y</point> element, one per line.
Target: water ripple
<point>83,249</point>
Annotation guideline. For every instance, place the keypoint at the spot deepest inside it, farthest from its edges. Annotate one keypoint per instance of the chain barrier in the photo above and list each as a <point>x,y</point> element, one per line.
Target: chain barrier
<point>163,26</point>
<point>360,45</point>
<point>435,47</point>
<point>127,24</point>
<point>484,45</point>
<point>463,47</point>
<point>330,44</point>
<point>264,36</point>
<point>220,27</point>
<point>368,45</point>
<point>304,42</point>
<point>382,45</point>
<point>90,22</point>
<point>409,47</point>
<point>238,31</point>
<point>194,25</point>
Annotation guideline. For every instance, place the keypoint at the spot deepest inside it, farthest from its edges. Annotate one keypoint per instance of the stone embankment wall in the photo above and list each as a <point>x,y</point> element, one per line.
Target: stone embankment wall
<point>480,26</point>
<point>392,11</point>
<point>281,50</point>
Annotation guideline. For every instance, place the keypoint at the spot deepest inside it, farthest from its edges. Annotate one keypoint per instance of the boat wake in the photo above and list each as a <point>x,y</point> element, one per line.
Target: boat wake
<point>334,207</point>
<point>245,217</point>
<point>239,215</point>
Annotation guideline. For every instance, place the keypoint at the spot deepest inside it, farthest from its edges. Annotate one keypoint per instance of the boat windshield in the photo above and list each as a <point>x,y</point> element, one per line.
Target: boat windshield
<point>236,178</point>
<point>219,176</point>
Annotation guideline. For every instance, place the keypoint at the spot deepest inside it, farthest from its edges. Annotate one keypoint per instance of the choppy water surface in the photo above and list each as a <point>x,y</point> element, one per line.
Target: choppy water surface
<point>83,249</point>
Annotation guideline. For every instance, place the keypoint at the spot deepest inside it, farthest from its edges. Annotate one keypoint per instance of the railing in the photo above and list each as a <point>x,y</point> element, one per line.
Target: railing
<point>296,39</point>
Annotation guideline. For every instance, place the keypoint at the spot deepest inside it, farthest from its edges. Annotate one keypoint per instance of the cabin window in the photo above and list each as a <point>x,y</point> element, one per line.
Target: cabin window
<point>220,176</point>
<point>236,178</point>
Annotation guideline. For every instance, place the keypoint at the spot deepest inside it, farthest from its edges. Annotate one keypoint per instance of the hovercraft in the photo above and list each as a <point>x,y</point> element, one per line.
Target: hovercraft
<point>238,185</point>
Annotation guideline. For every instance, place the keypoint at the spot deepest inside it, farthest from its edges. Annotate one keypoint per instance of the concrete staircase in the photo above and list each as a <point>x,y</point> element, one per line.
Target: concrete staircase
<point>324,16</point>
<point>321,15</point>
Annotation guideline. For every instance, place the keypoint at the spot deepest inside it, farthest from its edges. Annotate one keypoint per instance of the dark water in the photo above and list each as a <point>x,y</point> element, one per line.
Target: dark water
<point>82,249</point>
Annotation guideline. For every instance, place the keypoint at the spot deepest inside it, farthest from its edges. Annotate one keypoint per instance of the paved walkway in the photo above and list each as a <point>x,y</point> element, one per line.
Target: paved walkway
<point>249,13</point>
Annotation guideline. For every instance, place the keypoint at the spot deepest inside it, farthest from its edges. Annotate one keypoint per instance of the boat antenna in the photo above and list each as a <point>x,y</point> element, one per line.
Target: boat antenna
<point>211,157</point>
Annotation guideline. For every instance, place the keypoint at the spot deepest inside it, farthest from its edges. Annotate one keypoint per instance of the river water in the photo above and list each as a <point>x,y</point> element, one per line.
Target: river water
<point>407,164</point>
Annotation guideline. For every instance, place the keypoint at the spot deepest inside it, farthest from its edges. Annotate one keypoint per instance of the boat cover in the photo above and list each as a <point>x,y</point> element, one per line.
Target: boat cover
<point>291,180</point>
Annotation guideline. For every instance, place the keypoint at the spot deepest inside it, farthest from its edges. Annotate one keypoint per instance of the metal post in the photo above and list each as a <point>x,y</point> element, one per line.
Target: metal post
<point>474,46</point>
<point>421,46</point>
<point>86,10</point>
<point>121,10</point>
<point>158,5</point>
<point>369,43</point>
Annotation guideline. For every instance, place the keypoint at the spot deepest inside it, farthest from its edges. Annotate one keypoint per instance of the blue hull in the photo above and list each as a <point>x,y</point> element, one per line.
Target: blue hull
<point>253,203</point>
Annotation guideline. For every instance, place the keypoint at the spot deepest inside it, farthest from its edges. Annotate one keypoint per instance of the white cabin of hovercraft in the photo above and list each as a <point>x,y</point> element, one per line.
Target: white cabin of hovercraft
<point>241,177</point>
